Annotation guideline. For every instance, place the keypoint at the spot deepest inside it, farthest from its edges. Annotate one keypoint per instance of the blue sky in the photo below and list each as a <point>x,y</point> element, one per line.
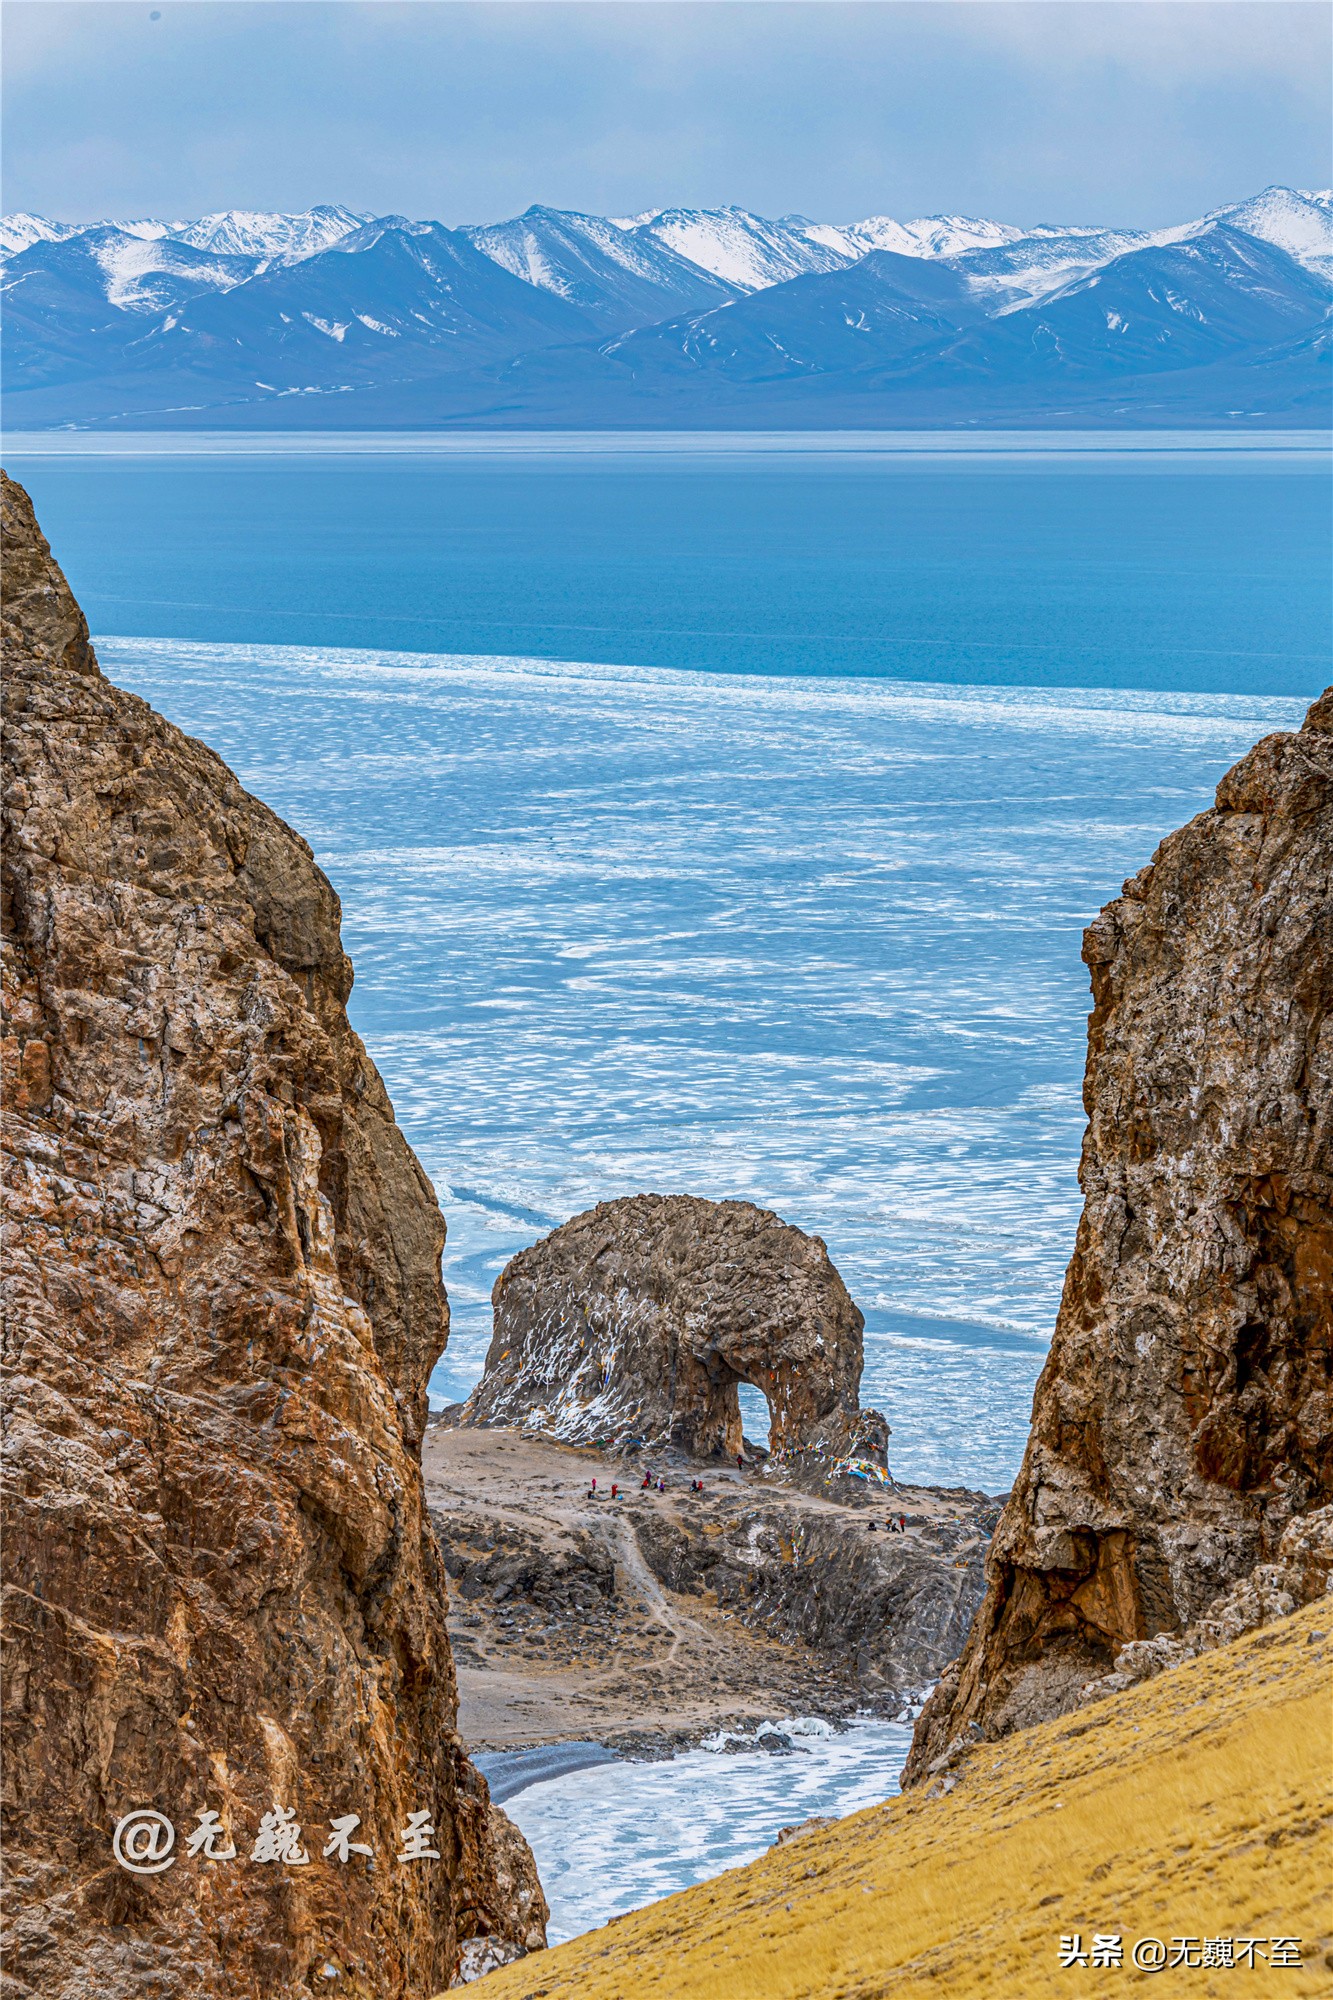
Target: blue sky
<point>1131,112</point>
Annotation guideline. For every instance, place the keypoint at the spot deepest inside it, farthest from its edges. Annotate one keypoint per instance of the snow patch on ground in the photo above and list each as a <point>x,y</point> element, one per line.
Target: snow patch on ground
<point>129,262</point>
<point>335,329</point>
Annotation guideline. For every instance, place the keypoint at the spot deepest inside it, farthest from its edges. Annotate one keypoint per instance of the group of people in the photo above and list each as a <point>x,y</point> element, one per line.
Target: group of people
<point>896,1524</point>
<point>646,1484</point>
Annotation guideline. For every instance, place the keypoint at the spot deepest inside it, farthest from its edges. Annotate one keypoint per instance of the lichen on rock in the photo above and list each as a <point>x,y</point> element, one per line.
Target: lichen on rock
<point>223,1302</point>
<point>634,1324</point>
<point>1185,1414</point>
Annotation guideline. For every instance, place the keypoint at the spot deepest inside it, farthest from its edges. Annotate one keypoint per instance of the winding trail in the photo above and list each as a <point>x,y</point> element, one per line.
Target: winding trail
<point>622,1541</point>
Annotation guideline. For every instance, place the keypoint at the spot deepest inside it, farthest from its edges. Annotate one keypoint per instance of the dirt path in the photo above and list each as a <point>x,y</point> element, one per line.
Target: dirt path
<point>623,1539</point>
<point>664,1614</point>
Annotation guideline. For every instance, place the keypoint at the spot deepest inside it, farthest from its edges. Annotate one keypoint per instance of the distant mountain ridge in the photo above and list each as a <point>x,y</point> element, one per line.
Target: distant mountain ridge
<point>618,276</point>
<point>680,317</point>
<point>234,231</point>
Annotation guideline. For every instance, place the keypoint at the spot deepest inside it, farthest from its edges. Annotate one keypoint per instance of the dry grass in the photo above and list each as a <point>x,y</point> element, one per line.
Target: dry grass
<point>1195,1805</point>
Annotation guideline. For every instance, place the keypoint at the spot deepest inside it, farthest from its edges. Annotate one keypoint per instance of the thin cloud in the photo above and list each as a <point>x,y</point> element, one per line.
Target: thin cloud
<point>1132,112</point>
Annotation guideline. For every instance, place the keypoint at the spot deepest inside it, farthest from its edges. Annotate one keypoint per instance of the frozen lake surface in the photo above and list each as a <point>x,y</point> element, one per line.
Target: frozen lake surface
<point>809,942</point>
<point>780,897</point>
<point>613,1838</point>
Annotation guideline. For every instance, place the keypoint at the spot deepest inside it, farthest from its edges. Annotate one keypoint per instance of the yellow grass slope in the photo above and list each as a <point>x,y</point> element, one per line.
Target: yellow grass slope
<point>1196,1805</point>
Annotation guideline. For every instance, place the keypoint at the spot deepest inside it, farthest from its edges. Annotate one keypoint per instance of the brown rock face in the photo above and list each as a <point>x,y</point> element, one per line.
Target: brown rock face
<point>223,1303</point>
<point>637,1321</point>
<point>1301,1572</point>
<point>1185,1414</point>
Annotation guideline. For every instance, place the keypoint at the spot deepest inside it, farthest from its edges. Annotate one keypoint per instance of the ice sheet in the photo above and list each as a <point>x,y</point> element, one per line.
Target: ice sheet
<point>813,943</point>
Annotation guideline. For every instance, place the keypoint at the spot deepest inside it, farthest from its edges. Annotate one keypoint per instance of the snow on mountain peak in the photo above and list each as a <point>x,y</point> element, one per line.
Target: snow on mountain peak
<point>233,232</point>
<point>743,249</point>
<point>242,232</point>
<point>141,225</point>
<point>1291,219</point>
<point>752,251</point>
<point>21,230</point>
<point>934,235</point>
<point>524,245</point>
<point>622,277</point>
<point>617,275</point>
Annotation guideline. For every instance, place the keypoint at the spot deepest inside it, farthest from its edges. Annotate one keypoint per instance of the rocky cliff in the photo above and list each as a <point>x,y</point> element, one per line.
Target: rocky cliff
<point>221,1593</point>
<point>636,1322</point>
<point>1300,1573</point>
<point>1185,1414</point>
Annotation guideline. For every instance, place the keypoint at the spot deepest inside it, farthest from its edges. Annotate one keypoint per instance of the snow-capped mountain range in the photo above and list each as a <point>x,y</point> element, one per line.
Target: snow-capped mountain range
<point>236,232</point>
<point>676,315</point>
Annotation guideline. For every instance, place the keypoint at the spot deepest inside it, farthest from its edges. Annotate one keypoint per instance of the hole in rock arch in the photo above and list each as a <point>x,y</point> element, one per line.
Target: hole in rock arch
<point>754,1413</point>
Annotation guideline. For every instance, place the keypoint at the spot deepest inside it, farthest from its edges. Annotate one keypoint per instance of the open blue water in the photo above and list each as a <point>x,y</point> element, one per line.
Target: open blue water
<point>1066,560</point>
<point>727,822</point>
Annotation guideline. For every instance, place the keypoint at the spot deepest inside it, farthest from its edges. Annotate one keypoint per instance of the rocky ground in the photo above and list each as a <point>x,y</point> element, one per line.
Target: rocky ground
<point>649,1620</point>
